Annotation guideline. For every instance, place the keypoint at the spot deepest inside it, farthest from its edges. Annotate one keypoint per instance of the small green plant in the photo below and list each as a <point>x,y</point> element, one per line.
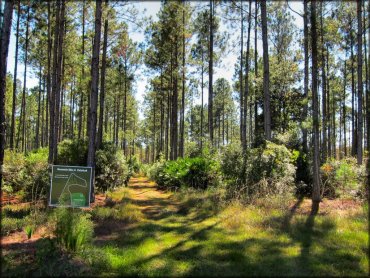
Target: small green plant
<point>197,172</point>
<point>343,178</point>
<point>29,231</point>
<point>73,229</point>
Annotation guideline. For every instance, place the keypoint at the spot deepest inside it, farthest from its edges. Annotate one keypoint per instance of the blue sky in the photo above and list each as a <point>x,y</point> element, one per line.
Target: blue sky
<point>151,8</point>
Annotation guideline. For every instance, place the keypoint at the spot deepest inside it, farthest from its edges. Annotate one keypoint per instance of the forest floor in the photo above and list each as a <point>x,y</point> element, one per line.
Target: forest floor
<point>173,234</point>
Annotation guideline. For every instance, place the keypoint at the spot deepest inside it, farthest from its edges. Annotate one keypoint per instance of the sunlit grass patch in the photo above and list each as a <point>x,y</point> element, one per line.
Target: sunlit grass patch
<point>122,194</point>
<point>122,211</point>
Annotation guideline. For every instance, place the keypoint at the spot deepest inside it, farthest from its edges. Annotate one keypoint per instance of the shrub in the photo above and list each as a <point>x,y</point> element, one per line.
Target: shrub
<point>36,177</point>
<point>72,152</point>
<point>27,175</point>
<point>9,225</point>
<point>73,230</point>
<point>111,167</point>
<point>133,165</point>
<point>343,178</point>
<point>197,172</point>
<point>154,169</point>
<point>232,164</point>
<point>269,170</point>
<point>13,170</point>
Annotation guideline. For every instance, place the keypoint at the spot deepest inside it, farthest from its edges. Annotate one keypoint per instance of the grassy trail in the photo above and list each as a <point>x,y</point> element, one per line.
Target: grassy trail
<point>189,236</point>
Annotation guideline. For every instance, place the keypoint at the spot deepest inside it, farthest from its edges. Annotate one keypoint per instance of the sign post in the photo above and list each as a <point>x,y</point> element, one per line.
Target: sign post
<point>70,186</point>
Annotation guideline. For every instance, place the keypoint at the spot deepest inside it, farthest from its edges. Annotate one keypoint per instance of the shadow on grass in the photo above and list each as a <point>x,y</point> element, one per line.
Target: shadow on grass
<point>289,244</point>
<point>41,257</point>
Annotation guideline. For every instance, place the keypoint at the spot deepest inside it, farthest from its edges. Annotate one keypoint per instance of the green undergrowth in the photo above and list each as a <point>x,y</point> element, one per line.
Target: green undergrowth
<point>198,233</point>
<point>205,237</point>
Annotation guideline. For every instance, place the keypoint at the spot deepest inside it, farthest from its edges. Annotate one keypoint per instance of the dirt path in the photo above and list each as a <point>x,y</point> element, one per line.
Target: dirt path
<point>150,200</point>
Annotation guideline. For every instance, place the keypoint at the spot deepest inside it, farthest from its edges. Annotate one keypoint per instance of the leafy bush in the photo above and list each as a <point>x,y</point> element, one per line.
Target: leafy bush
<point>198,172</point>
<point>36,178</point>
<point>153,170</point>
<point>73,230</point>
<point>13,170</point>
<point>269,170</point>
<point>9,224</point>
<point>111,167</point>
<point>343,178</point>
<point>232,164</point>
<point>72,152</point>
<point>27,175</point>
<point>133,165</point>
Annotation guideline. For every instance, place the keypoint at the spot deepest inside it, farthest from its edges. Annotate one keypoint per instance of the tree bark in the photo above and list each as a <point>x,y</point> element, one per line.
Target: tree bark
<point>102,84</point>
<point>51,95</point>
<point>57,75</point>
<point>324,147</point>
<point>210,74</point>
<point>12,126</point>
<point>94,91</point>
<point>23,105</point>
<point>359,83</point>
<point>241,76</point>
<point>316,197</point>
<point>246,80</point>
<point>255,70</point>
<point>182,116</point>
<point>38,111</point>
<point>81,108</point>
<point>306,69</point>
<point>4,48</point>
<point>266,74</point>
<point>202,104</point>
<point>353,149</point>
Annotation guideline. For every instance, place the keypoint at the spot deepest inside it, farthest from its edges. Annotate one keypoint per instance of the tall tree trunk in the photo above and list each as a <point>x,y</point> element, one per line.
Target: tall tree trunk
<point>316,196</point>
<point>154,129</point>
<point>162,114</point>
<point>51,79</point>
<point>174,135</point>
<point>4,47</point>
<point>324,147</point>
<point>38,111</point>
<point>23,106</point>
<point>255,69</point>
<point>266,74</point>
<point>344,106</point>
<point>57,78</point>
<point>12,127</point>
<point>81,110</point>
<point>94,89</point>
<point>241,94</point>
<point>359,82</point>
<point>102,84</point>
<point>306,69</point>
<point>210,81</point>
<point>368,90</point>
<point>202,104</point>
<point>182,116</point>
<point>247,80</point>
<point>353,149</point>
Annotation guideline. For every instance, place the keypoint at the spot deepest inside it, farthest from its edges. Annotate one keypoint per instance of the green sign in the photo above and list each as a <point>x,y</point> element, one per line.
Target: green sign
<point>70,186</point>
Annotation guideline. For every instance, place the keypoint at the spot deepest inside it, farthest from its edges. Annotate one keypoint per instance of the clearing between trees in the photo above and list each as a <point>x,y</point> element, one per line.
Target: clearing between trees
<point>141,230</point>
